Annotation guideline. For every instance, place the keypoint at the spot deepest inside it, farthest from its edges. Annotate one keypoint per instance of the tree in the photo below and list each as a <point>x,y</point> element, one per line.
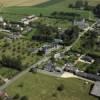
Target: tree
<point>97,10</point>
<point>46,30</point>
<point>89,40</point>
<point>86,4</point>
<point>17,96</point>
<point>94,69</point>
<point>60,87</point>
<point>79,3</point>
<point>2,35</point>
<point>24,98</point>
<point>52,59</point>
<point>54,13</point>
<point>70,35</point>
<point>11,62</point>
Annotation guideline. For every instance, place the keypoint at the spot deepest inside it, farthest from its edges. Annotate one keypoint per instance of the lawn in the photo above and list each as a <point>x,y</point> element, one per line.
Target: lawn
<point>82,66</point>
<point>7,72</point>
<point>42,87</point>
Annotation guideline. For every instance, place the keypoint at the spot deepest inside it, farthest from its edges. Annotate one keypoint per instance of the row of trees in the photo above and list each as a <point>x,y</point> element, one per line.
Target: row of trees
<point>80,4</point>
<point>89,41</point>
<point>65,15</point>
<point>97,10</point>
<point>11,62</point>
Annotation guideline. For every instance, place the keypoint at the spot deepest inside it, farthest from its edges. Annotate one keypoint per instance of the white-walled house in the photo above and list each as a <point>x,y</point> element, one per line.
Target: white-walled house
<point>81,23</point>
<point>1,19</point>
<point>28,19</point>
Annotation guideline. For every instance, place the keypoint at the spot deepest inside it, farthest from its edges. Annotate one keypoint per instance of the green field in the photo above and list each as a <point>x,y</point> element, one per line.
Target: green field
<point>15,13</point>
<point>42,87</point>
<point>52,2</point>
<point>7,72</point>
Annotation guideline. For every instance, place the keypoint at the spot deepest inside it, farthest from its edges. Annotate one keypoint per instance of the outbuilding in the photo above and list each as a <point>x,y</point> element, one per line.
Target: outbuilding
<point>96,89</point>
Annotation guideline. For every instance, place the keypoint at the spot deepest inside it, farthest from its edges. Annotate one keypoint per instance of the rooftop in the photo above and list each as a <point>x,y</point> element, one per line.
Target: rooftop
<point>96,89</point>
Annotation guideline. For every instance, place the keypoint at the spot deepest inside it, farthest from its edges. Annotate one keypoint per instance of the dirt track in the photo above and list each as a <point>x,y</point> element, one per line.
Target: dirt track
<point>6,3</point>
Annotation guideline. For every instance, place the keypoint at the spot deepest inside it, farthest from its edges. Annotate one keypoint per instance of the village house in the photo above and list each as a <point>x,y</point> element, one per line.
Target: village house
<point>81,23</point>
<point>27,20</point>
<point>58,41</point>
<point>59,69</point>
<point>96,89</point>
<point>1,19</point>
<point>49,67</point>
<point>13,36</point>
<point>88,76</point>
<point>70,68</point>
<point>58,56</point>
<point>48,48</point>
<point>86,59</point>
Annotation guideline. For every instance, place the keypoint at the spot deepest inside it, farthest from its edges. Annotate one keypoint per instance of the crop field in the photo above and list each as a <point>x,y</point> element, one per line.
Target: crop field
<point>7,3</point>
<point>42,87</point>
<point>15,13</point>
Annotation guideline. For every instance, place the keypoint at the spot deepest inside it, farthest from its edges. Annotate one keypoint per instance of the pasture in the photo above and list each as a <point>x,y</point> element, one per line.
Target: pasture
<point>42,87</point>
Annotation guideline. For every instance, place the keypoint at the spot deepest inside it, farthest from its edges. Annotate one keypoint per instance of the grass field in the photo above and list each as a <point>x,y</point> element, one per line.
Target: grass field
<point>42,87</point>
<point>7,72</point>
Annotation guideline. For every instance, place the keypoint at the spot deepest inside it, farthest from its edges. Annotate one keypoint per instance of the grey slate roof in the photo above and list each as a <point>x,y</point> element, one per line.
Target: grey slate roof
<point>96,89</point>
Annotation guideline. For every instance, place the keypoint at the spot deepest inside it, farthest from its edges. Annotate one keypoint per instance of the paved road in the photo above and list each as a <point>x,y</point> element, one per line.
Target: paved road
<point>22,73</point>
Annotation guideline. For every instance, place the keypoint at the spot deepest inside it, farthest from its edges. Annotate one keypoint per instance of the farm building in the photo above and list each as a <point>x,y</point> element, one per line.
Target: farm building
<point>86,59</point>
<point>81,23</point>
<point>70,68</point>
<point>27,20</point>
<point>49,67</point>
<point>1,19</point>
<point>96,89</point>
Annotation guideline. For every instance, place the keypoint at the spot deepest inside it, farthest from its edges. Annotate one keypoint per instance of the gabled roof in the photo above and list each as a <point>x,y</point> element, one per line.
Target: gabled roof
<point>96,89</point>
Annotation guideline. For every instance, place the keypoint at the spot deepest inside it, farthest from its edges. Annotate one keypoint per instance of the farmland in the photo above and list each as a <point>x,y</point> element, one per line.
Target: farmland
<point>32,88</point>
<point>7,3</point>
<point>45,8</point>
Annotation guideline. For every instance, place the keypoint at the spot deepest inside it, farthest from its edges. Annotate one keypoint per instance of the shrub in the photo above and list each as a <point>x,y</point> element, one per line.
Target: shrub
<point>60,87</point>
<point>24,98</point>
